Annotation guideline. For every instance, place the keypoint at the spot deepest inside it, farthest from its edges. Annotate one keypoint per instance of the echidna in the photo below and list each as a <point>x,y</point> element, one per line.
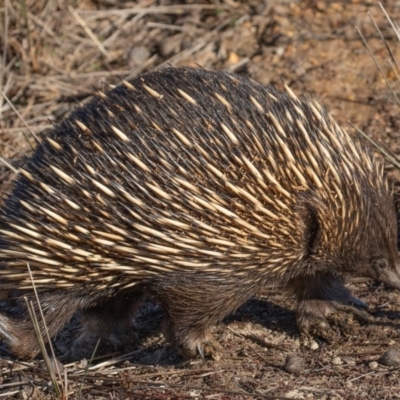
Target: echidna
<point>197,188</point>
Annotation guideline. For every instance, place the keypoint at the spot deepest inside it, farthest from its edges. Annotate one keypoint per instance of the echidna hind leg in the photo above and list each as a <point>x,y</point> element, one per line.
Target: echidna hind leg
<point>111,321</point>
<point>193,304</point>
<point>324,305</point>
<point>19,337</point>
<point>19,333</point>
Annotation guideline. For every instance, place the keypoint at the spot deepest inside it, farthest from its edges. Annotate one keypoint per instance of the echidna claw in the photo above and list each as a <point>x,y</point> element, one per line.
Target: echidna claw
<point>201,353</point>
<point>361,315</point>
<point>319,328</point>
<point>358,303</point>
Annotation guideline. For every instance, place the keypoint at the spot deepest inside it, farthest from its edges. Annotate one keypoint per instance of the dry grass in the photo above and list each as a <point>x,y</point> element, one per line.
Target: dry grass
<point>55,53</point>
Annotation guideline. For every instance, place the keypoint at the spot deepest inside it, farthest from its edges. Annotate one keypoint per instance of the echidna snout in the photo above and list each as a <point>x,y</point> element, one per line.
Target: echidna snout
<point>195,189</point>
<point>381,259</point>
<point>385,272</point>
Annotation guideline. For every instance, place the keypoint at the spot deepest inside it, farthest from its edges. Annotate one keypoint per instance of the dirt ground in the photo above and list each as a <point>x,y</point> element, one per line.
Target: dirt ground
<point>55,53</point>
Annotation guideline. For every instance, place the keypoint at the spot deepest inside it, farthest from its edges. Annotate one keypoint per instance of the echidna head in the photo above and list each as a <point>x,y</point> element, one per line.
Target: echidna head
<point>386,271</point>
<point>382,258</point>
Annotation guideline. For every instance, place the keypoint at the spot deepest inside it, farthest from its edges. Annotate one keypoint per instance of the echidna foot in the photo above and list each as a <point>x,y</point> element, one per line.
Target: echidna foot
<point>191,343</point>
<point>206,347</point>
<point>326,307</point>
<point>328,320</point>
<point>212,348</point>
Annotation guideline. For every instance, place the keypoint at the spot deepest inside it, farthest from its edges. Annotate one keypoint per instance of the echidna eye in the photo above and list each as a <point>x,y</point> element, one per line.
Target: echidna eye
<point>381,263</point>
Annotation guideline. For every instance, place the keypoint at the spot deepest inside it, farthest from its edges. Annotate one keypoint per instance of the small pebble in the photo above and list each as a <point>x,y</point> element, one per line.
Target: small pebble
<point>337,361</point>
<point>138,55</point>
<point>294,364</point>
<point>391,357</point>
<point>314,345</point>
<point>83,363</point>
<point>373,365</point>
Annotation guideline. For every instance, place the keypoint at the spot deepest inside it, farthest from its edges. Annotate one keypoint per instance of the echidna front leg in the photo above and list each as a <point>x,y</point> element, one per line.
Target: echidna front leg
<point>321,298</point>
<point>193,304</point>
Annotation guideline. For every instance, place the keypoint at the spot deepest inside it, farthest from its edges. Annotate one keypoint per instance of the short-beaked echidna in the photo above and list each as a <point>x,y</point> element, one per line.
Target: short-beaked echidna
<point>197,188</point>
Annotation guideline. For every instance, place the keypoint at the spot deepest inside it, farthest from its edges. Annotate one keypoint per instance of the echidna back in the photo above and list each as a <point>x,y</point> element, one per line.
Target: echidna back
<point>180,170</point>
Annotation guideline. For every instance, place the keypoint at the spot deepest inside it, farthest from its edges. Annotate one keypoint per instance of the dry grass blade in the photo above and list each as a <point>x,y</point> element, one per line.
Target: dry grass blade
<point>3,59</point>
<point>35,323</point>
<point>378,65</point>
<point>4,96</point>
<point>52,368</point>
<point>87,369</point>
<point>171,9</point>
<point>8,165</point>
<point>89,31</point>
<point>390,156</point>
